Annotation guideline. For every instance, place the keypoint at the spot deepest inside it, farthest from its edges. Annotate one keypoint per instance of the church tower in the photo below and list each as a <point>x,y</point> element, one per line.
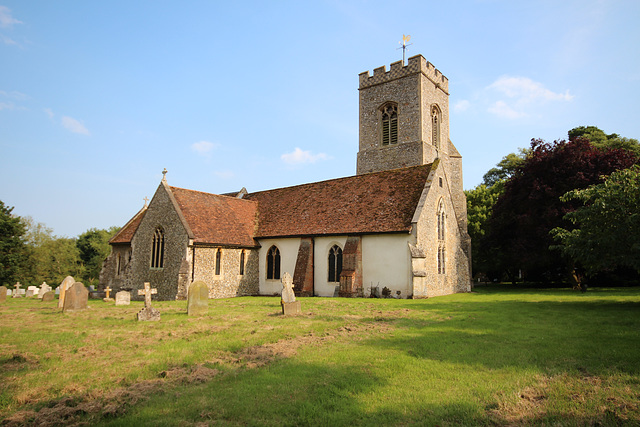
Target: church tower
<point>404,116</point>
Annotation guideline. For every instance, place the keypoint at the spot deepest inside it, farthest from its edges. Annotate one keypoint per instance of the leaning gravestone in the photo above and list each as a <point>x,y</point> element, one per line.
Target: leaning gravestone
<point>66,284</point>
<point>148,312</point>
<point>44,288</point>
<point>48,296</point>
<point>288,302</point>
<point>3,293</point>
<point>123,298</point>
<point>76,298</point>
<point>198,299</point>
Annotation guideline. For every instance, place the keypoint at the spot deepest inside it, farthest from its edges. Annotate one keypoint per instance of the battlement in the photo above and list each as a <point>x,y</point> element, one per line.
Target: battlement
<point>417,64</point>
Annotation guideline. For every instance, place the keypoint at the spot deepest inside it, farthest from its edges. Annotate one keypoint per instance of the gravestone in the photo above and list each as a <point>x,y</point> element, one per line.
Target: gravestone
<point>66,284</point>
<point>198,299</point>
<point>76,298</point>
<point>48,296</point>
<point>3,293</point>
<point>44,288</point>
<point>148,313</point>
<point>123,298</point>
<point>32,291</point>
<point>16,291</point>
<point>107,290</point>
<point>288,301</point>
<point>9,293</point>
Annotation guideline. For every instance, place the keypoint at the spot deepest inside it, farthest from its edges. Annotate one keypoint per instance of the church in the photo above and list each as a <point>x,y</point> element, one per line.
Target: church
<point>398,227</point>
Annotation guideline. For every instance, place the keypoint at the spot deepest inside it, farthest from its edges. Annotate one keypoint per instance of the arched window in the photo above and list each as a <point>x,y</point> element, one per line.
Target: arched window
<point>335,263</point>
<point>242,255</point>
<point>157,249</point>
<point>441,221</point>
<point>389,124</point>
<point>273,263</point>
<point>435,126</point>
<point>441,228</point>
<point>218,261</point>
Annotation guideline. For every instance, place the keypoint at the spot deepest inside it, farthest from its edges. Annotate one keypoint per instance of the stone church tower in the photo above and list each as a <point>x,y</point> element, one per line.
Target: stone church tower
<point>404,121</point>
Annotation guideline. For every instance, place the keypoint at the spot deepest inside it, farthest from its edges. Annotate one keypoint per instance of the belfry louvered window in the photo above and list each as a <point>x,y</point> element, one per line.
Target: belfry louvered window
<point>157,249</point>
<point>389,124</point>
<point>335,263</point>
<point>273,263</point>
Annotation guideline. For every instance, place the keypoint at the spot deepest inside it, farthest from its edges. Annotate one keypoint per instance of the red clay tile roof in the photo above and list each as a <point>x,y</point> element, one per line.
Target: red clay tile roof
<point>381,202</point>
<point>216,219</point>
<point>126,233</point>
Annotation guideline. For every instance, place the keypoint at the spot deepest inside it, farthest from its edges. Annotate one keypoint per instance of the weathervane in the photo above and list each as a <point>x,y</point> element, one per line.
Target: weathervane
<point>404,44</point>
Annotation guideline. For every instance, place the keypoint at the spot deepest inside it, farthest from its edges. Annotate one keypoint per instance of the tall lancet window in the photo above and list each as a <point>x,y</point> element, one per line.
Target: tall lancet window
<point>273,263</point>
<point>441,237</point>
<point>389,124</point>
<point>157,249</point>
<point>335,263</point>
<point>435,126</point>
<point>218,261</point>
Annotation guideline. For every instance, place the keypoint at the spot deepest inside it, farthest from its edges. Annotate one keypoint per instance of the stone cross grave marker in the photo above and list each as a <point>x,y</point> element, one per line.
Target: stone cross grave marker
<point>123,298</point>
<point>3,293</point>
<point>198,299</point>
<point>288,302</point>
<point>16,291</point>
<point>66,284</point>
<point>44,288</point>
<point>76,298</point>
<point>107,290</point>
<point>148,312</point>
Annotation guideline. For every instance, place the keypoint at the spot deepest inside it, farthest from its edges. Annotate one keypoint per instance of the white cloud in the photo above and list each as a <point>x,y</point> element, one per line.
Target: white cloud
<point>461,106</point>
<point>7,106</point>
<point>6,20</point>
<point>526,90</point>
<point>49,113</point>
<point>501,109</point>
<point>226,174</point>
<point>300,157</point>
<point>74,125</point>
<point>203,147</point>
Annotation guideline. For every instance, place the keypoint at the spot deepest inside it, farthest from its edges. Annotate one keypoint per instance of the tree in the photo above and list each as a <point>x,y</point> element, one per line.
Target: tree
<point>93,246</point>
<point>480,203</point>
<point>12,247</point>
<point>505,168</point>
<point>608,233</point>
<point>603,141</point>
<point>518,229</point>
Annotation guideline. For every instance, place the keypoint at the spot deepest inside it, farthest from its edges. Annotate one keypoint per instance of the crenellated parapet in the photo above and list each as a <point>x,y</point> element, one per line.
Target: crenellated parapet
<point>417,64</point>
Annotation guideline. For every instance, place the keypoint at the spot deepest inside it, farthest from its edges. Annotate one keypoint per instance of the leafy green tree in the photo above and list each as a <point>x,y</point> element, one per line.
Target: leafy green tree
<point>505,168</point>
<point>480,203</point>
<point>93,246</point>
<point>601,140</point>
<point>608,233</point>
<point>12,247</point>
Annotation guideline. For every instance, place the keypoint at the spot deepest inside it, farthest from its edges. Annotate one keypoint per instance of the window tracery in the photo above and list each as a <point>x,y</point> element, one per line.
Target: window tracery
<point>389,124</point>
<point>335,263</point>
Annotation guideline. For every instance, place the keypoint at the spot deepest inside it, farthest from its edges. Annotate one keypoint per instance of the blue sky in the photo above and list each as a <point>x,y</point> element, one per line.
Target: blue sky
<point>97,97</point>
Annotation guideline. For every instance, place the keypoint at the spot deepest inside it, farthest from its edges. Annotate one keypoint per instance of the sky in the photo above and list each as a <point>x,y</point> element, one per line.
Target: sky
<point>98,97</point>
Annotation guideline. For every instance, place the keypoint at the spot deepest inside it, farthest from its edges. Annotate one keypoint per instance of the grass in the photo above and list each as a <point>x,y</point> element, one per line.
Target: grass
<point>492,357</point>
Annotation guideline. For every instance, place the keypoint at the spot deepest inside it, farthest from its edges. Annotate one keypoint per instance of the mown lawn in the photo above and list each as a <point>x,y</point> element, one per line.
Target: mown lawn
<point>495,356</point>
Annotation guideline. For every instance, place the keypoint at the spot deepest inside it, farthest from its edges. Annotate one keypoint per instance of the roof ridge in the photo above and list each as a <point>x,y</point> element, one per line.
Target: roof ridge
<point>208,194</point>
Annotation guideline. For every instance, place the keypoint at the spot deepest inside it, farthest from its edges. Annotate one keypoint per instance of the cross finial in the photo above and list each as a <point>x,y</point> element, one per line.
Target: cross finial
<point>146,199</point>
<point>164,174</point>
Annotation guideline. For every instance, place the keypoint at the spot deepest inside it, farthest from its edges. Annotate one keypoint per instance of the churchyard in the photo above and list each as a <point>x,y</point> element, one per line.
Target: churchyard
<point>494,356</point>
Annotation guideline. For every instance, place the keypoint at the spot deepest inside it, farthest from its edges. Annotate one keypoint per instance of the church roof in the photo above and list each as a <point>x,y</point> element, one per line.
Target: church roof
<point>216,219</point>
<point>381,202</point>
<point>125,234</point>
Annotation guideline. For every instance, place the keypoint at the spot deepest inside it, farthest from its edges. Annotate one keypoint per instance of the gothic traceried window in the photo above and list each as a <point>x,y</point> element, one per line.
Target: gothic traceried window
<point>335,263</point>
<point>441,230</point>
<point>157,249</point>
<point>273,263</point>
<point>218,261</point>
<point>435,126</point>
<point>242,256</point>
<point>389,124</point>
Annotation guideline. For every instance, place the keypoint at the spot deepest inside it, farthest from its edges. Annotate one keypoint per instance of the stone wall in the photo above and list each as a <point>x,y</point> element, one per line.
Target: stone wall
<point>229,283</point>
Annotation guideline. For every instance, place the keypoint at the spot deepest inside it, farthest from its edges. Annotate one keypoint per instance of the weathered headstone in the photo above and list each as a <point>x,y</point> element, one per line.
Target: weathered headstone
<point>66,284</point>
<point>3,293</point>
<point>148,312</point>
<point>198,299</point>
<point>44,288</point>
<point>48,296</point>
<point>32,291</point>
<point>288,302</point>
<point>76,298</point>
<point>123,298</point>
<point>16,290</point>
<point>107,290</point>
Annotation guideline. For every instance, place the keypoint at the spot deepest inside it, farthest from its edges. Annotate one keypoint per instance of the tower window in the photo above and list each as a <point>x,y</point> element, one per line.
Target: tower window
<point>389,124</point>
<point>435,126</point>
<point>157,249</point>
<point>273,263</point>
<point>335,263</point>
